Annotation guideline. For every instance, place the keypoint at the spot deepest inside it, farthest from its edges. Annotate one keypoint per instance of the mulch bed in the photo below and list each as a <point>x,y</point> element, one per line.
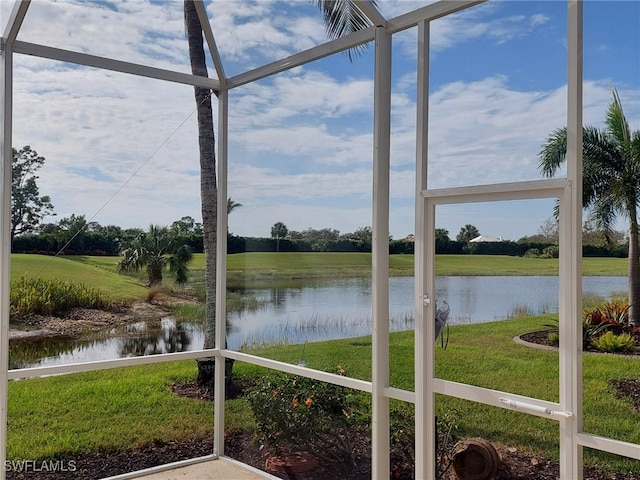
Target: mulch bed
<point>514,465</point>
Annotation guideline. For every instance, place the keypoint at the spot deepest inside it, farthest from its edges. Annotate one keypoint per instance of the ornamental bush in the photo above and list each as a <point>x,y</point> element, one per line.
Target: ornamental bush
<point>294,413</point>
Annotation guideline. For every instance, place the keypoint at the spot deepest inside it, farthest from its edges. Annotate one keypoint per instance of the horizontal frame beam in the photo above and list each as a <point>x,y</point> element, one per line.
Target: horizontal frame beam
<point>333,378</point>
<point>335,46</point>
<point>104,63</point>
<point>610,445</point>
<point>496,398</point>
<point>553,188</point>
<point>106,364</point>
<point>428,13</point>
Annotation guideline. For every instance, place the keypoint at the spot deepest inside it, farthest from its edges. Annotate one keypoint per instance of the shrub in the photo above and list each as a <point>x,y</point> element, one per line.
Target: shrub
<point>590,333</point>
<point>532,253</point>
<point>613,312</point>
<point>611,343</point>
<point>552,251</point>
<point>403,436</point>
<point>36,296</point>
<point>295,413</point>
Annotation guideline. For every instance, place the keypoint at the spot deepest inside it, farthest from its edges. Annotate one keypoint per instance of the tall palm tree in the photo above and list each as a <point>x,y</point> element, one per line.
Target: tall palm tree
<point>341,18</point>
<point>156,249</point>
<point>208,181</point>
<point>611,179</point>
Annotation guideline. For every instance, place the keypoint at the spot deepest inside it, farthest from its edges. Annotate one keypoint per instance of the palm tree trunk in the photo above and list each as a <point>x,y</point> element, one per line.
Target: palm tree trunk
<point>208,182</point>
<point>634,268</point>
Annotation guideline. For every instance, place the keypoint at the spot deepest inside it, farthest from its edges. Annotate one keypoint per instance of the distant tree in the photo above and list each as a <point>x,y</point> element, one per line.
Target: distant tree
<point>278,231</point>
<point>184,226</point>
<point>593,235</point>
<point>442,235</point>
<point>154,250</point>
<point>467,233</point>
<point>71,231</point>
<point>362,236</point>
<point>27,206</point>
<point>611,181</point>
<point>549,230</point>
<point>321,234</point>
<point>442,239</point>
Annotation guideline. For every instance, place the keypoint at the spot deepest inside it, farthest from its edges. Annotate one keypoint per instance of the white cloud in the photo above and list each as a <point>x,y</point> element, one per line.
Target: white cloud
<point>301,142</point>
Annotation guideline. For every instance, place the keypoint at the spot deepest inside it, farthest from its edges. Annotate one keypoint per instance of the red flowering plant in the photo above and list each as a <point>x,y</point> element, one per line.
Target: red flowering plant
<point>614,313</point>
<point>611,318</point>
<point>294,413</point>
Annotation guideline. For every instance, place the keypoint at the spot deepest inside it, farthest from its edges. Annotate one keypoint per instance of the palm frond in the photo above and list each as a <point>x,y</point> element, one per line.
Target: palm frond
<point>342,17</point>
<point>553,152</point>
<point>617,125</point>
<point>603,215</point>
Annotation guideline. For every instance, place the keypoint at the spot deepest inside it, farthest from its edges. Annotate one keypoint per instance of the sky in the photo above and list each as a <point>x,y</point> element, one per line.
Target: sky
<point>122,150</point>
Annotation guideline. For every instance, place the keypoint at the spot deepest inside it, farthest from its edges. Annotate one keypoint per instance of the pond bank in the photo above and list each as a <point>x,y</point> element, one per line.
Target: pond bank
<point>85,322</point>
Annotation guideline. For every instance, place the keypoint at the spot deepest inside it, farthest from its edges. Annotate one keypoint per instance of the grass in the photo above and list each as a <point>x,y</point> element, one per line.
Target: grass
<point>123,408</point>
<point>259,269</point>
<point>92,271</point>
<point>254,266</point>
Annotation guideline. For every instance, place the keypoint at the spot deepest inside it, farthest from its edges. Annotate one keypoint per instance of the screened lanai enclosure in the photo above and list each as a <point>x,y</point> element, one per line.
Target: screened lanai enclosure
<point>424,115</point>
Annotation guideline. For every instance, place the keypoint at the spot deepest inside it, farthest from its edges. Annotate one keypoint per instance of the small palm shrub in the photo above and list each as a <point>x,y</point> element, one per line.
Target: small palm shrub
<point>36,296</point>
<point>295,413</point>
<point>612,343</point>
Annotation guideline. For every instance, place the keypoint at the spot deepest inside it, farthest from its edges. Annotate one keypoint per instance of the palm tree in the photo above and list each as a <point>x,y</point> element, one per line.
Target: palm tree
<point>611,181</point>
<point>156,249</point>
<point>208,182</point>
<point>232,205</point>
<point>341,18</point>
<point>278,231</point>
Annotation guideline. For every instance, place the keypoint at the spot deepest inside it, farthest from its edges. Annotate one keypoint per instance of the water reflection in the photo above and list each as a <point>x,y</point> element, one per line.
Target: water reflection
<point>312,311</point>
<point>167,335</point>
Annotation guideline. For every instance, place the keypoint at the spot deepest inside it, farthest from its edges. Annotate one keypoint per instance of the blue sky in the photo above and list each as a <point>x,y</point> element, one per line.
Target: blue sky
<point>301,141</point>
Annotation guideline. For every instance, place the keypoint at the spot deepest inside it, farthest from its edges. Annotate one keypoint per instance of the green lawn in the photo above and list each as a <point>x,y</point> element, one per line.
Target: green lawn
<point>126,407</point>
<point>97,272</point>
<point>286,265</point>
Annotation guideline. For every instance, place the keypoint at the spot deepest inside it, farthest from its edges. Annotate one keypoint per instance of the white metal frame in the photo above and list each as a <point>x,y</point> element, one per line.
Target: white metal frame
<point>568,412</point>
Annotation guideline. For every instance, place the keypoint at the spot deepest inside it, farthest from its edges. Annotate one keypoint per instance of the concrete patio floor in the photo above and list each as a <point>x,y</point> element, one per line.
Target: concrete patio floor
<point>221,469</point>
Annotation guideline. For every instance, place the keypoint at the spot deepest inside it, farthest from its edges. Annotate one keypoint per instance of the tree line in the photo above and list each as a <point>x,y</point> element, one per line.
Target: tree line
<point>75,235</point>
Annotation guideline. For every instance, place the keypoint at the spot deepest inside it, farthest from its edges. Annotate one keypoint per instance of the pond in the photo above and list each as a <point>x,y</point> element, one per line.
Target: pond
<point>314,311</point>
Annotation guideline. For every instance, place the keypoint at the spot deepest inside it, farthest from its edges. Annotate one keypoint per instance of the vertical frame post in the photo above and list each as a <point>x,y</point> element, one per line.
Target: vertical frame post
<point>424,255</point>
<point>381,464</point>
<point>221,273</point>
<point>571,461</point>
<point>6,155</point>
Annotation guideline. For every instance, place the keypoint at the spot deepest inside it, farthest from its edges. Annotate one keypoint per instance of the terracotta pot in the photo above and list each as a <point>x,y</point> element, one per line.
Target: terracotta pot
<point>291,463</point>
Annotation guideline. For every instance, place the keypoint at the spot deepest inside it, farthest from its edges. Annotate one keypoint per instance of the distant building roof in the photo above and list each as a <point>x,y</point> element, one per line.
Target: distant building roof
<point>486,238</point>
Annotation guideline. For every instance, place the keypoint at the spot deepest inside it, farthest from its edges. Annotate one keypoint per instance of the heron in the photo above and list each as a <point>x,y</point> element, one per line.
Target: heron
<point>442,314</point>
